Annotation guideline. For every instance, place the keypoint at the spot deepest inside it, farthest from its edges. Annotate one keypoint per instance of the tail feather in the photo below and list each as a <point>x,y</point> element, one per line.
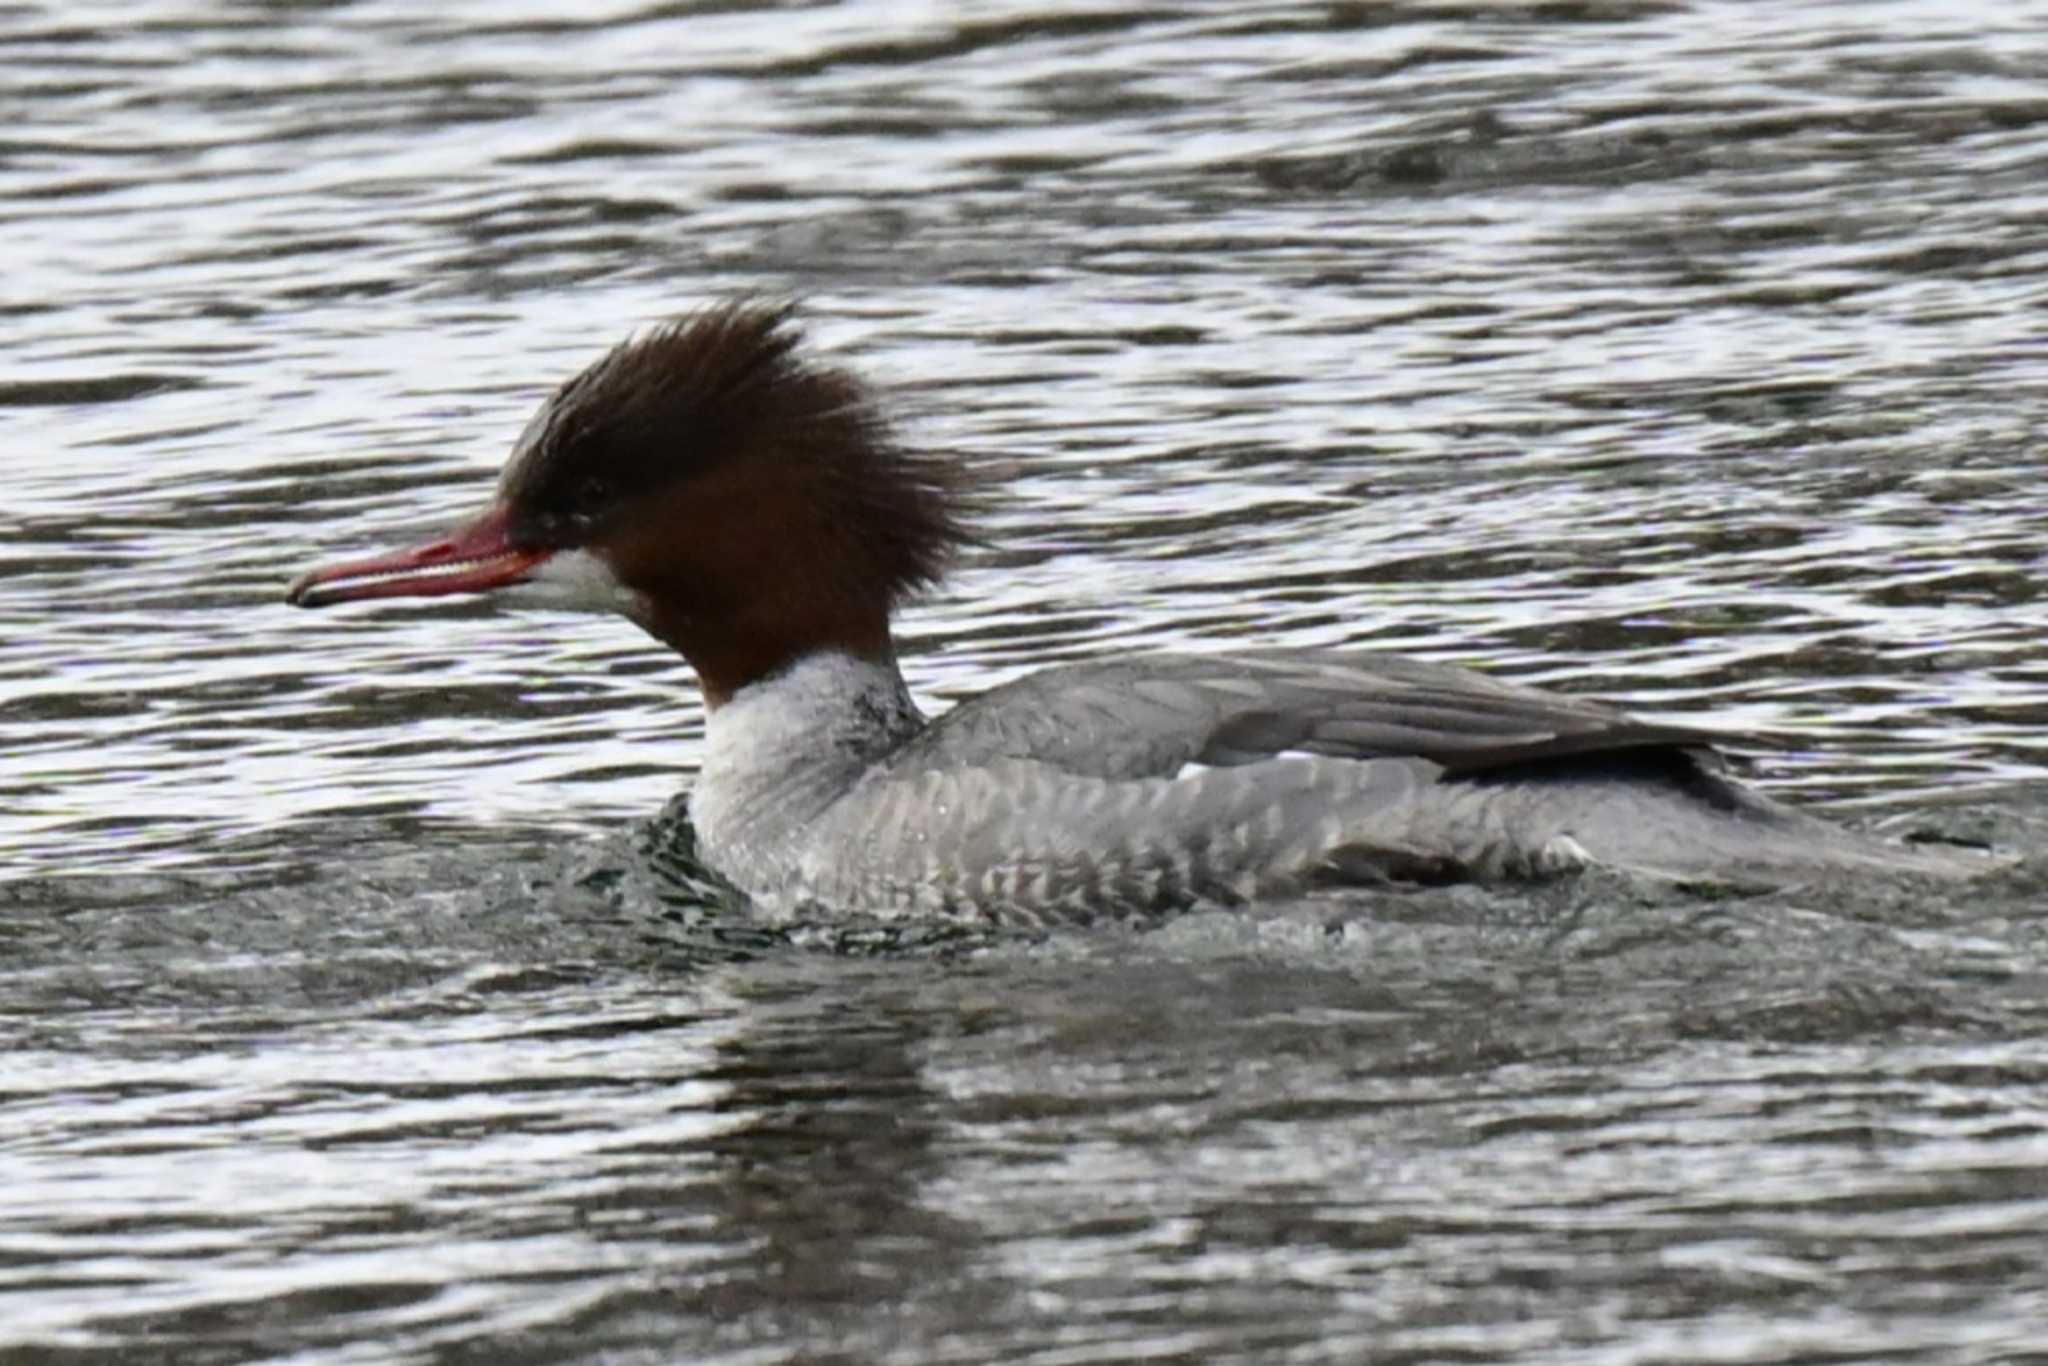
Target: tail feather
<point>1672,813</point>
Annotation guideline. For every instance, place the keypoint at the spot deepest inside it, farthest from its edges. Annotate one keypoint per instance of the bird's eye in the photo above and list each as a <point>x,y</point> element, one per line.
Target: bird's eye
<point>590,497</point>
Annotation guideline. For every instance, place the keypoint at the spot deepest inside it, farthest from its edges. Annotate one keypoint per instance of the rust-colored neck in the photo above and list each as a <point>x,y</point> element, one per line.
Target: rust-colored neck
<point>731,653</point>
<point>744,572</point>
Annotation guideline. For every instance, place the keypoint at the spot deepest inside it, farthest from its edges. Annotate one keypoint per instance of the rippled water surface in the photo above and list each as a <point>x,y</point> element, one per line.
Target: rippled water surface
<point>355,1007</point>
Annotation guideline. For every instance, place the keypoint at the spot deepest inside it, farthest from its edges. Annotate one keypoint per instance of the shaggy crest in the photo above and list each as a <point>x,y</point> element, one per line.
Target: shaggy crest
<point>687,403</point>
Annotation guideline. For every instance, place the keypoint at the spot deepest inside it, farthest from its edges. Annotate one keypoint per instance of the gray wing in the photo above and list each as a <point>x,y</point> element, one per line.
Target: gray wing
<point>1150,715</point>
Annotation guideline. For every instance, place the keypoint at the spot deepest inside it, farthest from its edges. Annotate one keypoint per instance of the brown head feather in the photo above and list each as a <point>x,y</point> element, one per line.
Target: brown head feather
<point>757,498</point>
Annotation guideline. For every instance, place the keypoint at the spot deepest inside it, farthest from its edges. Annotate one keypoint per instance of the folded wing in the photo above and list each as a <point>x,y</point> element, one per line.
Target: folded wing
<point>1151,716</point>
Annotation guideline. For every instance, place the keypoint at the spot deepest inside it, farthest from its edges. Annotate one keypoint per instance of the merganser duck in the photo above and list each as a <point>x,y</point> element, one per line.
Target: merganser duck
<point>750,506</point>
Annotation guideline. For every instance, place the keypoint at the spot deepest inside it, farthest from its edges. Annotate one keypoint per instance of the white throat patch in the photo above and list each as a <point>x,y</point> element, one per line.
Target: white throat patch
<point>577,581</point>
